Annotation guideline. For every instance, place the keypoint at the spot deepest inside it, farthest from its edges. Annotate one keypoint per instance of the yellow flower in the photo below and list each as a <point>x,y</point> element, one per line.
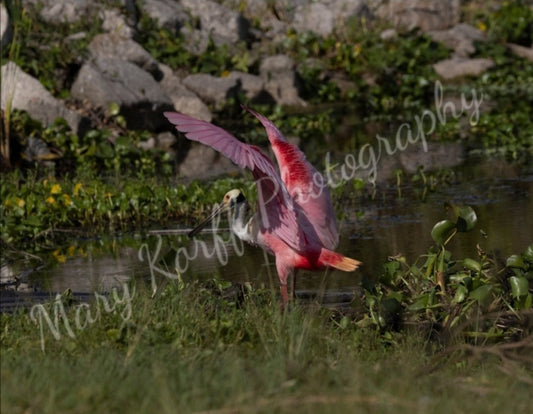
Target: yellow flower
<point>50,200</point>
<point>56,189</point>
<point>356,49</point>
<point>224,74</point>
<point>7,203</point>
<point>481,26</point>
<point>61,258</point>
<point>67,200</point>
<point>71,251</point>
<point>20,202</point>
<point>77,188</point>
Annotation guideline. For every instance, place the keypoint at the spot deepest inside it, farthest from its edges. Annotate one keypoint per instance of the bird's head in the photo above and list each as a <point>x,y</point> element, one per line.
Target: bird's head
<point>232,199</point>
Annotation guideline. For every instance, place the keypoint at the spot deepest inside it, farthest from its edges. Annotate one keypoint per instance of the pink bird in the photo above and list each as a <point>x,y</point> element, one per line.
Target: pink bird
<point>294,220</point>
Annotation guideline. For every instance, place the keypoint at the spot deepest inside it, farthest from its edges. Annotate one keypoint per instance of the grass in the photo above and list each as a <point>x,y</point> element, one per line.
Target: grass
<point>190,350</point>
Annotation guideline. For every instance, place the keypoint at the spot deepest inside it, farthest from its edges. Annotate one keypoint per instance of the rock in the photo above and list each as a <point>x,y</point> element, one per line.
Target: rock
<point>224,25</point>
<point>23,92</point>
<point>460,38</point>
<point>438,156</point>
<point>388,34</point>
<point>280,79</point>
<point>521,51</point>
<point>169,14</point>
<point>64,11</point>
<point>76,36</point>
<point>114,46</point>
<point>202,162</point>
<point>149,144</point>
<point>37,150</point>
<point>253,87</point>
<point>195,41</point>
<point>424,14</point>
<point>323,17</point>
<point>114,22</point>
<point>103,81</point>
<point>314,17</point>
<point>165,141</point>
<point>6,30</point>
<point>210,88</point>
<point>460,67</point>
<point>184,100</point>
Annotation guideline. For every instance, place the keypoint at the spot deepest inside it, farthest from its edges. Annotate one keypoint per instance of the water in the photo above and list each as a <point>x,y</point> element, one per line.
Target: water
<point>374,229</point>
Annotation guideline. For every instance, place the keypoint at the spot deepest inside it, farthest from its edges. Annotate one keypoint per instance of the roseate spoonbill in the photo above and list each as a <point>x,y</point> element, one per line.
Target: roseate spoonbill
<point>295,220</point>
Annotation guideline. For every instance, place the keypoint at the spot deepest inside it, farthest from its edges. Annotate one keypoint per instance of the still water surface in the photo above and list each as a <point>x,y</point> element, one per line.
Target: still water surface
<point>372,230</point>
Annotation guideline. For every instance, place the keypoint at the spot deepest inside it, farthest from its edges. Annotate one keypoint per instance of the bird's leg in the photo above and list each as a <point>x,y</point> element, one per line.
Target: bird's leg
<point>283,273</point>
<point>293,284</point>
<point>284,295</point>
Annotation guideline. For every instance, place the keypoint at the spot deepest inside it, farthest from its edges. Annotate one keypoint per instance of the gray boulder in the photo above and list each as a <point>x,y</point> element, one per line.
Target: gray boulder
<point>438,155</point>
<point>211,89</point>
<point>202,162</point>
<point>61,11</point>
<point>6,30</point>
<point>103,81</point>
<point>224,25</point>
<point>169,14</point>
<point>195,41</point>
<point>23,92</point>
<point>460,67</point>
<point>325,16</point>
<point>522,51</point>
<point>184,100</point>
<point>424,14</point>
<point>460,38</point>
<point>116,23</point>
<point>281,82</point>
<point>253,86</point>
<point>115,46</point>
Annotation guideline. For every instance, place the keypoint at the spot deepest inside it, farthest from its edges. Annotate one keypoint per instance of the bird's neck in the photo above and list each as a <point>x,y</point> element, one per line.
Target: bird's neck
<point>239,222</point>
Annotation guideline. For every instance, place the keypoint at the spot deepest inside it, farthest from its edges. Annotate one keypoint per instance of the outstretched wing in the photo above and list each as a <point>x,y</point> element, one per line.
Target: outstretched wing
<point>305,184</point>
<point>275,206</point>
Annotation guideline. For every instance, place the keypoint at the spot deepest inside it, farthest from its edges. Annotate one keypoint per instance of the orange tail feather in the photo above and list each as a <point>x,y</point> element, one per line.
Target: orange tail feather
<point>338,261</point>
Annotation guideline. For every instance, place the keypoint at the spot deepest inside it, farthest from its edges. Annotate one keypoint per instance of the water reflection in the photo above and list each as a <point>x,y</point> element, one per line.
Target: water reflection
<point>374,230</point>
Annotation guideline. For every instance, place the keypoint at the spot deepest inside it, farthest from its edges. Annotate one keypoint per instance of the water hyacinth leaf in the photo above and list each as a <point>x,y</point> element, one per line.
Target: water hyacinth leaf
<point>482,293</point>
<point>463,278</point>
<point>425,301</point>
<point>114,109</point>
<point>516,261</point>
<point>123,141</point>
<point>421,303</point>
<point>519,286</point>
<point>441,231</point>
<point>528,254</point>
<point>472,265</point>
<point>460,294</point>
<point>466,218</point>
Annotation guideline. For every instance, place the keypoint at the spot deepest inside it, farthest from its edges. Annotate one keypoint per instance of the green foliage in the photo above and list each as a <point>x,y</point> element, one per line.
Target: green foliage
<point>111,149</point>
<point>201,347</point>
<point>467,297</point>
<point>46,51</point>
<point>512,22</point>
<point>169,48</point>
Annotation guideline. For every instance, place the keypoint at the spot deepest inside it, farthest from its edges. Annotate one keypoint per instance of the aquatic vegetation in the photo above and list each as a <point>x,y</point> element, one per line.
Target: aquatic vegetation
<point>477,299</point>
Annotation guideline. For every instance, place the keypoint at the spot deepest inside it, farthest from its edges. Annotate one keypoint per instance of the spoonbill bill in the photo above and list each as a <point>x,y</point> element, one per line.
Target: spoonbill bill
<point>294,220</point>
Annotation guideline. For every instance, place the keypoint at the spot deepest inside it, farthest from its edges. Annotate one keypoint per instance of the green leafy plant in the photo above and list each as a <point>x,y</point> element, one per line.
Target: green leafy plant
<point>454,296</point>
